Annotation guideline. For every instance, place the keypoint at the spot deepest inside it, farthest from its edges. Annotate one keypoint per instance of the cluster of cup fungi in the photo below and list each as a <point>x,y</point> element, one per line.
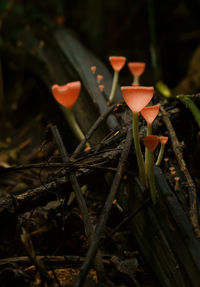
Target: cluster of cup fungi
<point>137,99</point>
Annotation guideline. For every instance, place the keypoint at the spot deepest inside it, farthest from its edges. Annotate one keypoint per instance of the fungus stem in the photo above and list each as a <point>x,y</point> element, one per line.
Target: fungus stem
<point>149,129</point>
<point>160,155</point>
<point>136,80</point>
<point>138,151</point>
<point>149,133</point>
<point>177,185</point>
<point>151,176</point>
<point>114,87</point>
<point>74,126</point>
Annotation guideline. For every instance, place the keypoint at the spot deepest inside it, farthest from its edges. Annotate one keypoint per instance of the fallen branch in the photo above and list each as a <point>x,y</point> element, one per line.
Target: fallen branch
<point>105,212</point>
<point>102,278</point>
<point>94,127</point>
<point>49,261</point>
<point>182,165</point>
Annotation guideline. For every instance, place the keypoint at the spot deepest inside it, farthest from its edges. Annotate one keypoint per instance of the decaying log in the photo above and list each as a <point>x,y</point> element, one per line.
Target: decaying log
<point>165,235</point>
<point>192,192</point>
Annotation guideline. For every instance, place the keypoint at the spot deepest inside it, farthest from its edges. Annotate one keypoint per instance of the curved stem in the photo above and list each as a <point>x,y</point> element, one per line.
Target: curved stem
<point>160,155</point>
<point>151,176</point>
<point>114,87</point>
<point>191,106</point>
<point>149,133</point>
<point>74,126</point>
<point>138,151</point>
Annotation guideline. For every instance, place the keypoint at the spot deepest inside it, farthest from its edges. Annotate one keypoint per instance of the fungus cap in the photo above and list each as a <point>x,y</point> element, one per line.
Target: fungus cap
<point>137,97</point>
<point>67,95</point>
<point>93,69</point>
<point>99,78</point>
<point>150,113</point>
<point>151,142</point>
<point>101,88</point>
<point>114,201</point>
<point>136,68</point>
<point>163,140</point>
<point>117,62</point>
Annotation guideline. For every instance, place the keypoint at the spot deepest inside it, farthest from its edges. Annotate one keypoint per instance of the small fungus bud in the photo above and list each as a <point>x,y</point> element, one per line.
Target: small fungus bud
<point>177,183</point>
<point>101,88</point>
<point>99,78</point>
<point>93,69</point>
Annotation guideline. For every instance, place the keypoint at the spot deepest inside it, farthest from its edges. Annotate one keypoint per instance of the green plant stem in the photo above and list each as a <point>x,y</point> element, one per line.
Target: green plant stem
<point>136,80</point>
<point>74,126</point>
<point>138,151</point>
<point>151,176</point>
<point>149,133</point>
<point>160,155</point>
<point>114,87</point>
<point>191,106</point>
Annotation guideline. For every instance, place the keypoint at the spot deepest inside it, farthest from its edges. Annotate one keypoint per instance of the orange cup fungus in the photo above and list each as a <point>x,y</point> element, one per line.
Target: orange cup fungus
<point>93,69</point>
<point>101,88</point>
<point>117,62</point>
<point>163,140</point>
<point>99,78</point>
<point>136,68</point>
<point>151,142</point>
<point>137,97</point>
<point>150,113</point>
<point>67,95</point>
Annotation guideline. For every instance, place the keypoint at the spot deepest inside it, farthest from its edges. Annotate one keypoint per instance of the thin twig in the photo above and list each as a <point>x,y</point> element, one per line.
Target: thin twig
<point>75,185</point>
<point>83,208</point>
<point>52,270</point>
<point>93,129</point>
<point>191,186</point>
<point>56,261</point>
<point>105,212</point>
<point>1,90</point>
<point>55,165</point>
<point>49,261</point>
<point>28,247</point>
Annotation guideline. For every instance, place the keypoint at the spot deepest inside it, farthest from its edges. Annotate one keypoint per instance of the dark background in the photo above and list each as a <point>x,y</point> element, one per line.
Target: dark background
<point>116,28</point>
